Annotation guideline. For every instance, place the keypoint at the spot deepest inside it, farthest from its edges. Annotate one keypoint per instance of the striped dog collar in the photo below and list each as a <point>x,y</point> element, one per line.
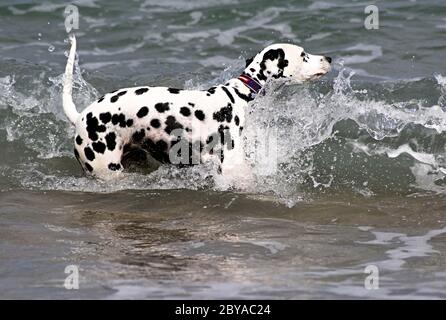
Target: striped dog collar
<point>252,84</point>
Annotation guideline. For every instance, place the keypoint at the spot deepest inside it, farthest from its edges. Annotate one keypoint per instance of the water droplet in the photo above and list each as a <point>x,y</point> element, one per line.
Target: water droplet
<point>51,48</point>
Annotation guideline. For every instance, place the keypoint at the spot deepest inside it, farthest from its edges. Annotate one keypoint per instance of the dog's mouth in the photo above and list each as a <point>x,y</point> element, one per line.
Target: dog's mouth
<point>320,74</point>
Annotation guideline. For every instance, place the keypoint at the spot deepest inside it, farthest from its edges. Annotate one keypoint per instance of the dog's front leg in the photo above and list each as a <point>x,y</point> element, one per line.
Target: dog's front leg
<point>235,170</point>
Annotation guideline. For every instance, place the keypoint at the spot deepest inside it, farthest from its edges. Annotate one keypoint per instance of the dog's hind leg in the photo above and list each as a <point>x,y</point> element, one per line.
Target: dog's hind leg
<point>105,165</point>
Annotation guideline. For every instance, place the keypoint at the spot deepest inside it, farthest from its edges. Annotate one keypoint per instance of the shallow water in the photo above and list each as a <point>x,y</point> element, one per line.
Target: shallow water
<point>190,244</point>
<point>360,176</point>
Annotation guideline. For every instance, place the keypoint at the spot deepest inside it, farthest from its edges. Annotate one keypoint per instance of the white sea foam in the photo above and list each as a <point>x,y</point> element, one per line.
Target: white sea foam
<point>226,37</point>
<point>47,6</point>
<point>319,36</point>
<point>321,5</point>
<point>168,5</point>
<point>407,247</point>
<point>374,50</point>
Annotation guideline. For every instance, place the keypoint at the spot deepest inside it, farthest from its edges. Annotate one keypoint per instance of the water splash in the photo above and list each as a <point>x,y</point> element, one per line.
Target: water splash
<point>303,118</point>
<point>35,116</point>
<point>442,83</point>
<point>299,139</point>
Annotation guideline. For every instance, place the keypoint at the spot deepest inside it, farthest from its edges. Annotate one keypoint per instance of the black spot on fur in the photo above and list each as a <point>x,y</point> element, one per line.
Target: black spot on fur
<point>249,61</point>
<point>252,70</point>
<point>199,114</point>
<point>114,166</point>
<point>185,111</point>
<point>142,112</point>
<point>105,117</point>
<point>191,104</point>
<point>116,96</point>
<point>89,168</point>
<point>229,94</point>
<point>240,131</point>
<point>129,122</point>
<point>98,147</point>
<point>225,140</point>
<point>119,119</point>
<point>172,124</point>
<point>110,138</point>
<point>212,90</point>
<point>89,154</point>
<point>140,91</point>
<point>174,91</point>
<point>79,140</point>
<point>224,135</point>
<point>139,135</point>
<point>101,99</point>
<point>155,123</point>
<point>225,113</point>
<point>261,76</point>
<point>236,120</point>
<point>93,127</point>
<point>243,96</point>
<point>273,54</point>
<point>162,107</point>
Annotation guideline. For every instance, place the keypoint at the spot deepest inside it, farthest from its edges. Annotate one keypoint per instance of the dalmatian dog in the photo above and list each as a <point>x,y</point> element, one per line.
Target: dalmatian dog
<point>181,127</point>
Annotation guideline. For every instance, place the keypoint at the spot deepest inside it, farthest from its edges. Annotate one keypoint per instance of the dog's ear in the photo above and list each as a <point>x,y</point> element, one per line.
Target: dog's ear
<point>248,61</point>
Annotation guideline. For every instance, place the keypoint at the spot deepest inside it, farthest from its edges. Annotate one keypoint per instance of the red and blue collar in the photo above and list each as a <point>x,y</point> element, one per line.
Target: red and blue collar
<point>252,84</point>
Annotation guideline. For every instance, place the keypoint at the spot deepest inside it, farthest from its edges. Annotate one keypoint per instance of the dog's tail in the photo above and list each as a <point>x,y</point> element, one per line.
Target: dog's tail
<point>67,99</point>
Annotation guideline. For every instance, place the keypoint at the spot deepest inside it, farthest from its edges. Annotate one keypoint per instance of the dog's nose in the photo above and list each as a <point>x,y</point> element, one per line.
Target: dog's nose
<point>328,59</point>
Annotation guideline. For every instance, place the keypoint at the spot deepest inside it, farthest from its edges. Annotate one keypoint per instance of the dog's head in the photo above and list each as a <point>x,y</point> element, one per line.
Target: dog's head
<point>288,61</point>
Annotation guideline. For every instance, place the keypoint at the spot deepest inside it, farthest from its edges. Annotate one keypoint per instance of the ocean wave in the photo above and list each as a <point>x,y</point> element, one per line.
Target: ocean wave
<point>328,136</point>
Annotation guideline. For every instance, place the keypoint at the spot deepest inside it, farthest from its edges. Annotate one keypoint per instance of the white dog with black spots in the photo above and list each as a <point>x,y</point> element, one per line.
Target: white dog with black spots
<point>180,127</point>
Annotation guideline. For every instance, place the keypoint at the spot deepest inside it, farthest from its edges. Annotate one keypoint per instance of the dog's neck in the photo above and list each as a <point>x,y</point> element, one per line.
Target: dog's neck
<point>255,75</point>
<point>248,83</point>
<point>261,68</point>
<point>247,86</point>
<point>264,66</point>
